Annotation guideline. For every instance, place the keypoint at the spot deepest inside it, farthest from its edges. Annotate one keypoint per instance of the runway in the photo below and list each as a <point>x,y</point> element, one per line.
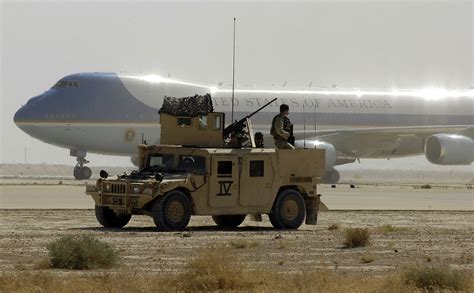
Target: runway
<point>364,197</point>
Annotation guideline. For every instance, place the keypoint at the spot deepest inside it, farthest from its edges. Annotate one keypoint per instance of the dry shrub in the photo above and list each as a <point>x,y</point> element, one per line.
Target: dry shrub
<point>356,237</point>
<point>436,278</point>
<point>211,270</point>
<point>250,281</point>
<point>81,253</point>
<point>425,186</point>
<point>52,282</point>
<point>215,269</point>
<point>367,258</point>
<point>387,228</point>
<point>243,281</point>
<point>241,243</point>
<point>334,227</point>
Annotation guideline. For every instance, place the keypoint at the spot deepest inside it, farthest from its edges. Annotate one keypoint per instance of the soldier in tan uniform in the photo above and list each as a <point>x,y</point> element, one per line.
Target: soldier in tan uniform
<point>282,129</point>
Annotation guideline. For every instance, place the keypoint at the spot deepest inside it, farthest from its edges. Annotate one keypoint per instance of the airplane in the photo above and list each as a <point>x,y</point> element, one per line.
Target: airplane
<point>109,113</point>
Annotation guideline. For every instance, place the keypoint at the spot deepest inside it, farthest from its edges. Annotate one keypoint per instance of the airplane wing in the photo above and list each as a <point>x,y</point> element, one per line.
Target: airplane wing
<point>388,142</point>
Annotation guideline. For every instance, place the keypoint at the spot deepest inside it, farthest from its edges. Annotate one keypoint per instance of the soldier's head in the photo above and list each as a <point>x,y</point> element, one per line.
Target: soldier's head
<point>284,109</point>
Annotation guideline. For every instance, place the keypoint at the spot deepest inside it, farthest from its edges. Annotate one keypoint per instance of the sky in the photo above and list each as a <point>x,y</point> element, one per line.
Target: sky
<point>355,44</point>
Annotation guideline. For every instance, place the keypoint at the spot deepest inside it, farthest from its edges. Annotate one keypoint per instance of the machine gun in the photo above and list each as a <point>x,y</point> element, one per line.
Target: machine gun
<point>237,128</point>
<point>291,138</point>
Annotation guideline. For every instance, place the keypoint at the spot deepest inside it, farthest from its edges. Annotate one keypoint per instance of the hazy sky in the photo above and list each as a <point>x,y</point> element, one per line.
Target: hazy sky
<point>363,44</point>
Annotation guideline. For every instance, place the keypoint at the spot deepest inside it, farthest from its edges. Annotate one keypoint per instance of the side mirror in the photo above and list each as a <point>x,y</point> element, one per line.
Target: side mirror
<point>103,174</point>
<point>159,177</point>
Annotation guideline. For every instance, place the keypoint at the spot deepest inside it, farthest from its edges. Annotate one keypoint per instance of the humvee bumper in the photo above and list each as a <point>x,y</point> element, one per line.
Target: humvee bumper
<point>120,196</point>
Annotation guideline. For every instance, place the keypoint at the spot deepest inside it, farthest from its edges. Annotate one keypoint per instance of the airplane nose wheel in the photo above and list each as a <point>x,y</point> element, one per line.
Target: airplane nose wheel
<point>82,173</point>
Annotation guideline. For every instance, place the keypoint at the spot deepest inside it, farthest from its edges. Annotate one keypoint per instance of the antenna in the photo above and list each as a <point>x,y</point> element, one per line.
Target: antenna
<point>233,76</point>
<point>304,128</point>
<point>315,131</point>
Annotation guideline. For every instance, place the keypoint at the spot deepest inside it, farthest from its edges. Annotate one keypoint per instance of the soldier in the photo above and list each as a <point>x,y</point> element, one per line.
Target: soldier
<point>259,140</point>
<point>282,129</point>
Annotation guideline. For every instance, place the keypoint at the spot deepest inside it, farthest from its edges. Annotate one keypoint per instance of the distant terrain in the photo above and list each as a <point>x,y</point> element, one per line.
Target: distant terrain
<point>349,174</point>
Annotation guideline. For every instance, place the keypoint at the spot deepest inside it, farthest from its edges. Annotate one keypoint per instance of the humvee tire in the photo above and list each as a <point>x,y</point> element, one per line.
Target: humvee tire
<point>288,211</point>
<point>229,221</point>
<point>172,211</point>
<point>107,218</point>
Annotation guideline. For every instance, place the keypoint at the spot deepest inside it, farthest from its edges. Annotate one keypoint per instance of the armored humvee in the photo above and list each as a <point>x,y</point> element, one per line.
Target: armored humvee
<point>197,170</point>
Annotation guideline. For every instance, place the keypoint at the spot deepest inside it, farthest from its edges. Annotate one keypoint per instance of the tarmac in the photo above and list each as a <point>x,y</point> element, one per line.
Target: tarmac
<point>363,197</point>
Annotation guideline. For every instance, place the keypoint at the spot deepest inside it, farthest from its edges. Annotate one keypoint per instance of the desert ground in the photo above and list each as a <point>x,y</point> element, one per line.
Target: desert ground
<point>415,237</point>
<point>410,225</point>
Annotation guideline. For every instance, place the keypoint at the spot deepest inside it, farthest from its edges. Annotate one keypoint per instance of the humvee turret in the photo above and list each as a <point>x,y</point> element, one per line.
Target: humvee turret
<point>196,171</point>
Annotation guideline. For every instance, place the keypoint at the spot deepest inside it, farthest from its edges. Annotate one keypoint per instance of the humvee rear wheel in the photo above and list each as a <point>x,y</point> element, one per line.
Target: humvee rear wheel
<point>107,218</point>
<point>172,211</point>
<point>229,221</point>
<point>288,211</point>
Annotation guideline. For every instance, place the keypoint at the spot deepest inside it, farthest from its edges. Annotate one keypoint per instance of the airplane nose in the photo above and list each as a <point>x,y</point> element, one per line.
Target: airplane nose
<point>20,115</point>
<point>28,113</point>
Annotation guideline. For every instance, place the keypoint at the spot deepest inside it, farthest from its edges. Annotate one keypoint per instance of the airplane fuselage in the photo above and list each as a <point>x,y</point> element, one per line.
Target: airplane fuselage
<point>110,114</point>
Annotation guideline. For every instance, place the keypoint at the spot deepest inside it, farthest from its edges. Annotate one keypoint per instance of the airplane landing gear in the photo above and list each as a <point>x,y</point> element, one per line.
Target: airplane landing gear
<point>331,176</point>
<point>81,172</point>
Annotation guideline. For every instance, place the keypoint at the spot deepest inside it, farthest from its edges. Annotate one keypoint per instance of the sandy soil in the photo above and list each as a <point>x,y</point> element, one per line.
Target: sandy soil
<point>422,236</point>
<point>363,197</point>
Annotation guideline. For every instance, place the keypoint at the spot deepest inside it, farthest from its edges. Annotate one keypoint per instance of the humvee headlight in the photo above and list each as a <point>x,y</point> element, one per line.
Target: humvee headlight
<point>107,187</point>
<point>136,189</point>
<point>103,174</point>
<point>159,177</point>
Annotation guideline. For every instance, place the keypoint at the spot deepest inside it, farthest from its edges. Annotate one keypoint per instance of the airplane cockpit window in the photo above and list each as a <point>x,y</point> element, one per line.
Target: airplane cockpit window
<point>66,83</point>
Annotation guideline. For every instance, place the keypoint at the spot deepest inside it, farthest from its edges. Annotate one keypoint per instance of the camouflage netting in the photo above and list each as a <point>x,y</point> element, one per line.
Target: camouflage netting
<point>188,106</point>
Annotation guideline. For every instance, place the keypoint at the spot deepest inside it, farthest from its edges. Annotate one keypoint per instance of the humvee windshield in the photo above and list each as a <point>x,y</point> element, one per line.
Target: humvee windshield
<point>160,161</point>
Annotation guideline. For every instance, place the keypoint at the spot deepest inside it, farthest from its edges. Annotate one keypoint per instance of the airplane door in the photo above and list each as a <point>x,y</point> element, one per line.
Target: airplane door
<point>224,181</point>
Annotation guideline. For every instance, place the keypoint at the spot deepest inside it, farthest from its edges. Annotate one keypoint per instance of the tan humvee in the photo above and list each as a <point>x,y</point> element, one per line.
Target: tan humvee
<point>228,183</point>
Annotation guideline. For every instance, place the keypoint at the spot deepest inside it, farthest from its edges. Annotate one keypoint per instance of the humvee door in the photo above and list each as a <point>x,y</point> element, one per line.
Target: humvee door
<point>256,180</point>
<point>224,181</point>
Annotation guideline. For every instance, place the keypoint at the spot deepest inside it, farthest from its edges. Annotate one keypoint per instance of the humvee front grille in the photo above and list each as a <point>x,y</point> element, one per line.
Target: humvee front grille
<point>117,188</point>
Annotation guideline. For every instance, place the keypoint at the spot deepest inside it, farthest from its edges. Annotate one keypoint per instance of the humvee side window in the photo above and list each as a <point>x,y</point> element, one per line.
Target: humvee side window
<point>192,163</point>
<point>256,168</point>
<point>183,121</point>
<point>202,121</point>
<point>160,161</point>
<point>224,168</point>
<point>217,122</point>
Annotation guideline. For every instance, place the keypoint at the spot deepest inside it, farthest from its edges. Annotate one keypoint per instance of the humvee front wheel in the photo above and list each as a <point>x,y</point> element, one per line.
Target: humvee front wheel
<point>229,221</point>
<point>172,211</point>
<point>107,218</point>
<point>288,211</point>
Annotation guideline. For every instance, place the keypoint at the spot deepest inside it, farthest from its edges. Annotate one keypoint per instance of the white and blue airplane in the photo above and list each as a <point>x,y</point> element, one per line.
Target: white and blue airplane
<point>110,114</point>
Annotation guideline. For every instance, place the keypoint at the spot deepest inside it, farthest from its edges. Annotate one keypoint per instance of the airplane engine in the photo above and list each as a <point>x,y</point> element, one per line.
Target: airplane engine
<point>449,149</point>
<point>331,154</point>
